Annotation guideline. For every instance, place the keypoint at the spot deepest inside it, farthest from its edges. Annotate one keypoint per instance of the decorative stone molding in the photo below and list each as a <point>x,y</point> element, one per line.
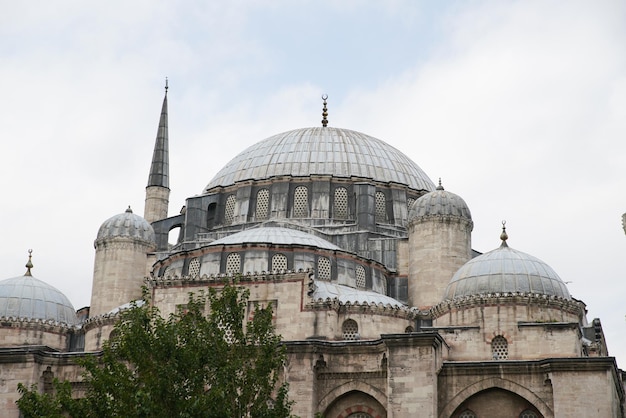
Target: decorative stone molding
<point>46,325</point>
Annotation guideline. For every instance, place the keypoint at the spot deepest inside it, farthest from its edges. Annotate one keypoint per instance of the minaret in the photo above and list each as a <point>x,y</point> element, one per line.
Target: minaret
<point>158,189</point>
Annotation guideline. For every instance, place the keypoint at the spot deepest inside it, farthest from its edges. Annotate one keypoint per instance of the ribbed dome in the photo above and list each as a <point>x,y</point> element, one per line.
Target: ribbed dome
<point>439,202</point>
<point>277,236</point>
<point>31,298</point>
<point>127,224</point>
<point>505,270</point>
<point>323,151</point>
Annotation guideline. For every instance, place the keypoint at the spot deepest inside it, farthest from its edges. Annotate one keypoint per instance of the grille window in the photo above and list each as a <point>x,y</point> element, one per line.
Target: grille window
<point>528,414</point>
<point>409,202</point>
<point>381,207</point>
<point>359,415</point>
<point>350,330</point>
<point>229,210</point>
<point>467,414</point>
<point>194,267</point>
<point>323,268</point>
<point>233,263</point>
<point>279,262</point>
<point>360,277</point>
<point>341,203</point>
<point>499,348</point>
<point>262,203</point>
<point>300,202</point>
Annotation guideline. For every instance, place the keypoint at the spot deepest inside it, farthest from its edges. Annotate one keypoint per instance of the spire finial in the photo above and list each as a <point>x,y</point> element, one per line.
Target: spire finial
<point>440,187</point>
<point>324,111</point>
<point>503,235</point>
<point>166,86</point>
<point>29,264</point>
<point>129,210</point>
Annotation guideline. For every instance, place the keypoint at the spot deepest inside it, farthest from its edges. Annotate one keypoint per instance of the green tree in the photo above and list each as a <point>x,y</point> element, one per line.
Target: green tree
<point>191,364</point>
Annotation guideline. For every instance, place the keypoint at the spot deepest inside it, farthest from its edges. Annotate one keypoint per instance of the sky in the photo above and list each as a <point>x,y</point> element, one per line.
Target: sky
<point>518,106</point>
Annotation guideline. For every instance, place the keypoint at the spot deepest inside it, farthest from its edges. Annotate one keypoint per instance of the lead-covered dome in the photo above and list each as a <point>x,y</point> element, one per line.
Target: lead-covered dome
<point>127,224</point>
<point>275,236</point>
<point>439,203</point>
<point>323,151</point>
<point>505,270</point>
<point>30,298</point>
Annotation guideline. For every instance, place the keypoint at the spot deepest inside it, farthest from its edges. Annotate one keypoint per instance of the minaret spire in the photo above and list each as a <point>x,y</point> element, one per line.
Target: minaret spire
<point>158,189</point>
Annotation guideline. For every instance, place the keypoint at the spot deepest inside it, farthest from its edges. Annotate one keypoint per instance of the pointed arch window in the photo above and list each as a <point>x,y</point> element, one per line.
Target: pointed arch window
<point>262,204</point>
<point>229,209</point>
<point>499,348</point>
<point>467,414</point>
<point>233,263</point>
<point>301,202</point>
<point>360,277</point>
<point>528,414</point>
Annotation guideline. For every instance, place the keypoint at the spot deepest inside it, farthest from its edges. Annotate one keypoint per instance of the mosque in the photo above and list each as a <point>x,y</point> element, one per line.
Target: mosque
<point>383,305</point>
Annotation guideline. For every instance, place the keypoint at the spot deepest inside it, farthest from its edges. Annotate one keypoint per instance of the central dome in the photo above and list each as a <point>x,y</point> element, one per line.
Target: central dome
<point>323,151</point>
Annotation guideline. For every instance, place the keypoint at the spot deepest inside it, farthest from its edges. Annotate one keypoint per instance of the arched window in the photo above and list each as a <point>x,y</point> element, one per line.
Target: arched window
<point>381,207</point>
<point>229,209</point>
<point>409,329</point>
<point>467,414</point>
<point>279,262</point>
<point>194,267</point>
<point>301,202</point>
<point>323,269</point>
<point>409,202</point>
<point>359,415</point>
<point>499,348</point>
<point>528,414</point>
<point>233,263</point>
<point>360,276</point>
<point>340,205</point>
<point>350,330</point>
<point>262,204</point>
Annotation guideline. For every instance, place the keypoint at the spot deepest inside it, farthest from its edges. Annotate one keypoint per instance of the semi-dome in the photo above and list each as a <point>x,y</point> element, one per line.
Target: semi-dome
<point>275,236</point>
<point>127,224</point>
<point>323,151</point>
<point>439,203</point>
<point>505,270</point>
<point>30,298</point>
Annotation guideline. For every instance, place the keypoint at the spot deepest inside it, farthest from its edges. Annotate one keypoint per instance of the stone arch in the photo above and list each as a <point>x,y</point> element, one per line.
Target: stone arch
<point>340,391</point>
<point>496,382</point>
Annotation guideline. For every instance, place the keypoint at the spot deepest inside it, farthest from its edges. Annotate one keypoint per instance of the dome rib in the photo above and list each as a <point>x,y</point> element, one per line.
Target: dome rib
<point>323,151</point>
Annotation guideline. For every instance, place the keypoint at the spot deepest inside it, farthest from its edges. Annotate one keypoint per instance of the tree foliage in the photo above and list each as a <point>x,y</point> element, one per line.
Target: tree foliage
<point>190,364</point>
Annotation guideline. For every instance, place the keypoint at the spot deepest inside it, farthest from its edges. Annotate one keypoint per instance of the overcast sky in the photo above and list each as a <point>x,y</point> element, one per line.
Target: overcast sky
<point>519,106</point>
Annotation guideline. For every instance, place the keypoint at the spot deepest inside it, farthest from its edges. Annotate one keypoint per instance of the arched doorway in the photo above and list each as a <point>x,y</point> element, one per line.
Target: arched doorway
<point>494,402</point>
<point>355,404</point>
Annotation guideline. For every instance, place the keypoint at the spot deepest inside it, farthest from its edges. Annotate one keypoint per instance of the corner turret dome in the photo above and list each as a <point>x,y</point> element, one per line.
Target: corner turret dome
<point>127,224</point>
<point>323,151</point>
<point>30,298</point>
<point>505,270</point>
<point>439,203</point>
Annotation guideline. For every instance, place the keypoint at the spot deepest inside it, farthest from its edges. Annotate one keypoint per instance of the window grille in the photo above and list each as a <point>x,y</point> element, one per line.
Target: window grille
<point>360,277</point>
<point>359,415</point>
<point>381,207</point>
<point>409,202</point>
<point>409,329</point>
<point>229,336</point>
<point>194,267</point>
<point>528,414</point>
<point>229,210</point>
<point>350,330</point>
<point>233,263</point>
<point>300,202</point>
<point>323,268</point>
<point>341,203</point>
<point>467,414</point>
<point>499,348</point>
<point>279,262</point>
<point>262,204</point>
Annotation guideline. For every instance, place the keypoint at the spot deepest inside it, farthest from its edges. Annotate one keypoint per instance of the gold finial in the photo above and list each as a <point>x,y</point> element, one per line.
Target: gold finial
<point>324,111</point>
<point>440,187</point>
<point>503,235</point>
<point>166,86</point>
<point>29,264</point>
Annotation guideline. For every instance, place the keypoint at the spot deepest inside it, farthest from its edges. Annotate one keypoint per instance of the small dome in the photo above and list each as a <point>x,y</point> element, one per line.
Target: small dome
<point>127,224</point>
<point>323,151</point>
<point>505,270</point>
<point>31,298</point>
<point>439,202</point>
<point>277,236</point>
